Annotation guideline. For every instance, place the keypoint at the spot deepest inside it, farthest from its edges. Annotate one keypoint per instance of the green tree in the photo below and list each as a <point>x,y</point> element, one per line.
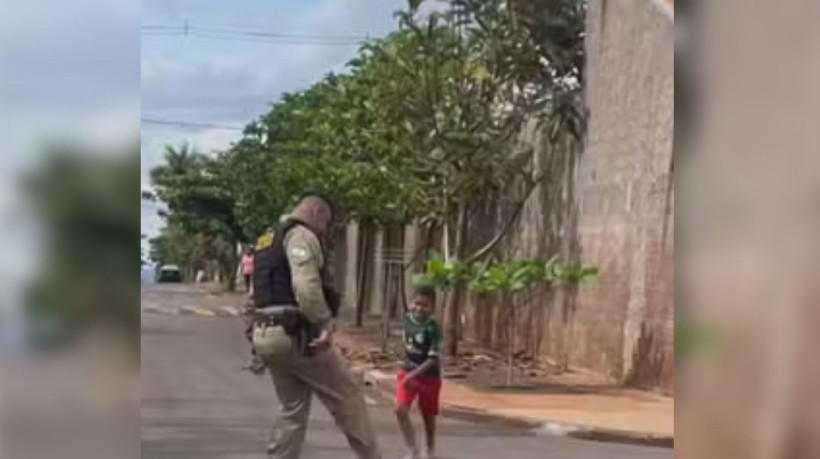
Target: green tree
<point>200,206</point>
<point>456,90</point>
<point>325,138</point>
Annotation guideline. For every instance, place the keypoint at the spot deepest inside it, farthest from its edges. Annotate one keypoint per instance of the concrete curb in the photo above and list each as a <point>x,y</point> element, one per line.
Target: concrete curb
<point>630,438</point>
<point>384,384</point>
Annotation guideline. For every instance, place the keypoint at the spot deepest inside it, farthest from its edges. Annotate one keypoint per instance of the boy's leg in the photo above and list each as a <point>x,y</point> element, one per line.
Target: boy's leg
<point>429,391</point>
<point>406,427</point>
<point>404,400</point>
<point>430,433</point>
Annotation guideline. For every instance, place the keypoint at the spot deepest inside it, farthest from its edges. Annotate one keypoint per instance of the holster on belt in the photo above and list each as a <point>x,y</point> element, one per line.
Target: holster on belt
<point>292,321</point>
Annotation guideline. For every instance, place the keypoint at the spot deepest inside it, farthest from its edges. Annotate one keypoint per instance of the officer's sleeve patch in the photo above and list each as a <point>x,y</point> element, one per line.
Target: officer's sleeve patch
<point>299,254</point>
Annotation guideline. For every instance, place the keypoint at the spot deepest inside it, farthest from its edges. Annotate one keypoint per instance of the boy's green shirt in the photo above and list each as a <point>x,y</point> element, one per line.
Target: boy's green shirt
<point>422,341</point>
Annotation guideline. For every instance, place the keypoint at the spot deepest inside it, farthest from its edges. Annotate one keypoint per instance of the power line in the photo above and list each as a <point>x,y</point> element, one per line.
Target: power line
<point>239,34</point>
<point>256,32</point>
<point>187,124</point>
<point>249,39</point>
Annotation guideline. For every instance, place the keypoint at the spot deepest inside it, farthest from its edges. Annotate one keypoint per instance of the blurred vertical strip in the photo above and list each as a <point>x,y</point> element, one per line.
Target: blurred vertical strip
<point>69,226</point>
<point>747,105</point>
<point>88,282</point>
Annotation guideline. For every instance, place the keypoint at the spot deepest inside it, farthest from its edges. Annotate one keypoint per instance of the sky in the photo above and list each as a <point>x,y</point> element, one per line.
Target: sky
<point>88,71</point>
<point>202,79</point>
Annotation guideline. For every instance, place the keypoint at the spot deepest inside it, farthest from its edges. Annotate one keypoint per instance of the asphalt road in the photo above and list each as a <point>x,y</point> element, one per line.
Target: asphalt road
<point>198,403</point>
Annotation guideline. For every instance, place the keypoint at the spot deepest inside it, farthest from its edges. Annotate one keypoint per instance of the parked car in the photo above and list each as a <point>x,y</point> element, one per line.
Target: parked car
<point>169,273</point>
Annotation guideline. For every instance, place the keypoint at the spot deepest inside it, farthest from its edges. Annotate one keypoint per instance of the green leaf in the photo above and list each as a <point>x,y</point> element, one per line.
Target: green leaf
<point>436,267</point>
<point>422,280</point>
<point>414,5</point>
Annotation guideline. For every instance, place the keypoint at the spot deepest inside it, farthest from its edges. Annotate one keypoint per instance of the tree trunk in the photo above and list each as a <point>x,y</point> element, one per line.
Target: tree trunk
<point>507,226</point>
<point>453,303</point>
<point>230,274</point>
<point>387,306</point>
<point>362,272</point>
<point>528,332</point>
<point>429,235</point>
<point>227,265</point>
<point>403,294</point>
<point>510,339</point>
<point>446,228</point>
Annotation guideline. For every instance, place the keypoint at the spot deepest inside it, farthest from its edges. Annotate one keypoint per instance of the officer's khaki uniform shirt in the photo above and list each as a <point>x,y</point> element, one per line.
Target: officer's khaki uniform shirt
<point>304,253</point>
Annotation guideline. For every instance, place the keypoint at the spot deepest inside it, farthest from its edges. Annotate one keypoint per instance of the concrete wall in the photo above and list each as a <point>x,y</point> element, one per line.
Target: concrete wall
<point>612,207</point>
<point>625,215</point>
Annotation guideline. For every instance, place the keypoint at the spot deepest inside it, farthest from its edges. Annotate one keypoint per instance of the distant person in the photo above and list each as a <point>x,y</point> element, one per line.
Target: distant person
<point>421,376</point>
<point>247,268</point>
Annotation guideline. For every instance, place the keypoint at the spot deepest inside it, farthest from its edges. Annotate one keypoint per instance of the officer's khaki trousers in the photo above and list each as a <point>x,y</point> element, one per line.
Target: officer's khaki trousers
<point>296,378</point>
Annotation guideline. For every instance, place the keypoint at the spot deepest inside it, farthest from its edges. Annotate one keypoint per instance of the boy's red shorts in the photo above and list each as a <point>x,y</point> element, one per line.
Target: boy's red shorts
<point>426,389</point>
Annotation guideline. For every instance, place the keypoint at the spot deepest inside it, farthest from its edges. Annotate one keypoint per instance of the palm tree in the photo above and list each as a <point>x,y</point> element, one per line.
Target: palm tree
<point>178,161</point>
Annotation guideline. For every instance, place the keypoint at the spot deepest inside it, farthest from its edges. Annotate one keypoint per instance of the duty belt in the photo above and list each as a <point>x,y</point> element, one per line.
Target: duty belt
<point>286,316</point>
<point>291,319</point>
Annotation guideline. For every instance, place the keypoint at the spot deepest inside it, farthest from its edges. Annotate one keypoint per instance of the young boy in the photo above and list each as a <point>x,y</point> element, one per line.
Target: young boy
<point>421,375</point>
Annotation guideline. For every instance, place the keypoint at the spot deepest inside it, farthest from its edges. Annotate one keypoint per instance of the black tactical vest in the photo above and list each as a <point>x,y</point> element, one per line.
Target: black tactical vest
<point>271,272</point>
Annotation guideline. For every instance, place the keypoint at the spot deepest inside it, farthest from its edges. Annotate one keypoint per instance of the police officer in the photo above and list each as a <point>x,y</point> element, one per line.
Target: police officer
<point>293,332</point>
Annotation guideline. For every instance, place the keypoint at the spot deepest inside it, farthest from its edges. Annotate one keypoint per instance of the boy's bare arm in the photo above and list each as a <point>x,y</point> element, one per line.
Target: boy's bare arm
<point>429,363</point>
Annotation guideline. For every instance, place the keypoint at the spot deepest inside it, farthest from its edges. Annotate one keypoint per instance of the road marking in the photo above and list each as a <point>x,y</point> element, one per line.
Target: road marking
<point>370,401</point>
<point>204,312</point>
